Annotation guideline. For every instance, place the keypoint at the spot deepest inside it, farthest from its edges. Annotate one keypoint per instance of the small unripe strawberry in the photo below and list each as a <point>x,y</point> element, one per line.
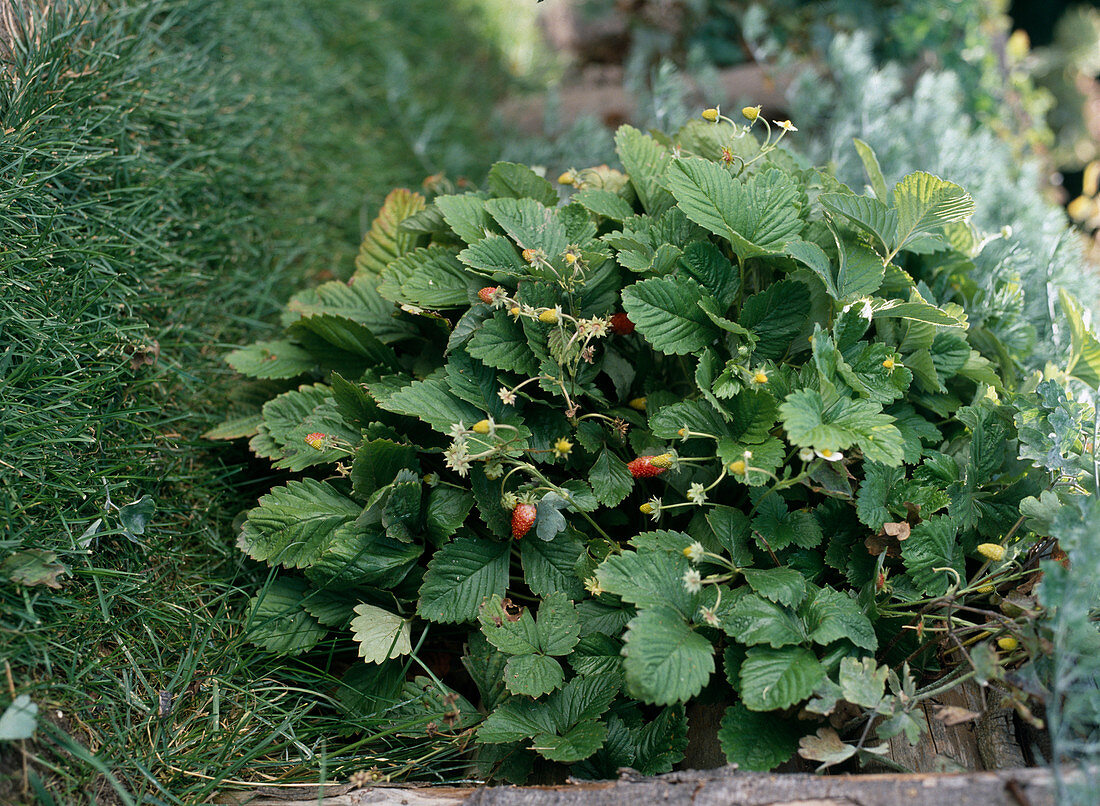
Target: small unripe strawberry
<point>751,113</point>
<point>567,178</point>
<point>482,427</point>
<point>621,324</point>
<point>486,294</point>
<point>645,467</point>
<point>710,115</point>
<point>523,518</point>
<point>991,551</point>
<point>549,317</point>
<point>638,404</point>
<point>316,440</point>
<point>1007,643</point>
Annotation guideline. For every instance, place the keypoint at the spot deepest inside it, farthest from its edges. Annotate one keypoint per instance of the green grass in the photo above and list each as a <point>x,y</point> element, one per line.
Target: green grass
<point>169,173</point>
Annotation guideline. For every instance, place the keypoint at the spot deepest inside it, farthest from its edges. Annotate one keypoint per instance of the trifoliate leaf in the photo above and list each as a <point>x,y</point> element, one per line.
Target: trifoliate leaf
<point>757,742</point>
<point>460,575</point>
<point>666,661</point>
<point>381,635</point>
<point>862,682</point>
<point>501,343</point>
<point>667,313</point>
<point>831,615</point>
<point>784,586</point>
<point>757,215</point>
<point>809,423</point>
<point>610,479</point>
<point>755,620</point>
<point>775,527</point>
<point>773,679</point>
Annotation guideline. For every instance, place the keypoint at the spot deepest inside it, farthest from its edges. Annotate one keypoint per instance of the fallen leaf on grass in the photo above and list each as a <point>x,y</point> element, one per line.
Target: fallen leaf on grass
<point>32,567</point>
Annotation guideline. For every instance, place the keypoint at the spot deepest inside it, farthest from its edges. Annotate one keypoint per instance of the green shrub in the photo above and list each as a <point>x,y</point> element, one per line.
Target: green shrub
<point>717,424</point>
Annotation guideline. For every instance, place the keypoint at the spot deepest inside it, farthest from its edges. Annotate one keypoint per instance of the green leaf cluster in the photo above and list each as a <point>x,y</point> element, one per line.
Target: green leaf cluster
<point>708,425</point>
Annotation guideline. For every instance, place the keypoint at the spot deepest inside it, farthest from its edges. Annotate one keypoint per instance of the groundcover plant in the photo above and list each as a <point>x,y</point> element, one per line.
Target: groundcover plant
<point>715,427</point>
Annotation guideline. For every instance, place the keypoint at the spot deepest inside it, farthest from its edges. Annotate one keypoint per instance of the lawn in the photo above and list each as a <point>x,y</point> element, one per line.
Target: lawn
<point>169,173</point>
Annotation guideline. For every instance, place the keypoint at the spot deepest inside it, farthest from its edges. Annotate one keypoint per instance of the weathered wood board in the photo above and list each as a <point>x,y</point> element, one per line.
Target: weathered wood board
<point>725,787</point>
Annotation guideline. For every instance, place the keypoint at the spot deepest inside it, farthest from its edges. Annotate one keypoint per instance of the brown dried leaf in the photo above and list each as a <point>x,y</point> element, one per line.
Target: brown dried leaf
<point>953,714</point>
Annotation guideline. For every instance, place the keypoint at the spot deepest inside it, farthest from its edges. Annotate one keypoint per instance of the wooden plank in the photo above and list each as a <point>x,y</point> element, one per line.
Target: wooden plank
<point>725,787</point>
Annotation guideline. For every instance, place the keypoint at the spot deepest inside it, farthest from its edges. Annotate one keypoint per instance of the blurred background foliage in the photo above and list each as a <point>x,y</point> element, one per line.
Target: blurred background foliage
<point>172,170</point>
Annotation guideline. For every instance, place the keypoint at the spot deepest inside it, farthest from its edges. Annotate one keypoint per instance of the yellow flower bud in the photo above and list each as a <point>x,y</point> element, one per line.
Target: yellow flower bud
<point>567,178</point>
<point>638,404</point>
<point>710,115</point>
<point>738,468</point>
<point>1007,643</point>
<point>481,427</point>
<point>549,317</point>
<point>751,113</point>
<point>991,551</point>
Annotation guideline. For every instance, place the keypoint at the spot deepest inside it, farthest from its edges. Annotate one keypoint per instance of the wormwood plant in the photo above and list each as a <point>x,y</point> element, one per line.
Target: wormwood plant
<point>716,425</point>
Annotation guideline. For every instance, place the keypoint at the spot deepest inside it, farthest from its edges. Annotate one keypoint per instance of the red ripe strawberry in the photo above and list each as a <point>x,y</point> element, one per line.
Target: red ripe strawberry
<point>486,294</point>
<point>645,467</point>
<point>621,324</point>
<point>523,518</point>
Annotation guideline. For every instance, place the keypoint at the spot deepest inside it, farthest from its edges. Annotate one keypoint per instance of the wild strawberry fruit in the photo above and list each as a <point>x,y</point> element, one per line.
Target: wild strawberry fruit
<point>621,324</point>
<point>486,294</point>
<point>523,518</point>
<point>645,467</point>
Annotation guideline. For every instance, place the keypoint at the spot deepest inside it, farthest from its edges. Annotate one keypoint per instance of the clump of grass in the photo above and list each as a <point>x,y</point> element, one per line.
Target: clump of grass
<point>170,171</point>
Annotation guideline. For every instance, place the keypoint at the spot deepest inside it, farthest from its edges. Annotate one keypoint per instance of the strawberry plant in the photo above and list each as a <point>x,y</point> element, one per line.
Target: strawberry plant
<point>715,425</point>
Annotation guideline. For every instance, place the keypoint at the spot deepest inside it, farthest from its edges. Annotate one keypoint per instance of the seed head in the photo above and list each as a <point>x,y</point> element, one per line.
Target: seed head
<point>992,551</point>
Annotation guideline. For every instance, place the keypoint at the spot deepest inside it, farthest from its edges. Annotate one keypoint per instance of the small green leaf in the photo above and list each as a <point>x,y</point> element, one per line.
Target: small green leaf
<point>757,742</point>
<point>381,635</point>
<point>831,615</point>
<point>291,524</point>
<point>782,585</point>
<point>31,567</point>
<point>667,313</point>
<point>666,661</point>
<point>773,679</point>
<point>533,675</point>
<point>604,203</point>
<point>862,682</point>
<point>271,359</point>
<point>278,621</point>
<point>776,315</point>
<point>755,620</point>
<point>460,575</point>
<point>509,179</point>
<point>19,719</point>
<point>610,479</point>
